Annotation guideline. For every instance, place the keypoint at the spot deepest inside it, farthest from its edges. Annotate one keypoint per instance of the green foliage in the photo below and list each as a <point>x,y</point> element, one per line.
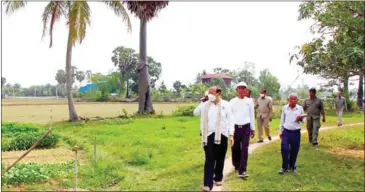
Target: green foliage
<point>92,95</point>
<point>16,128</point>
<point>24,141</point>
<point>338,51</point>
<point>270,83</point>
<point>184,110</point>
<point>34,173</point>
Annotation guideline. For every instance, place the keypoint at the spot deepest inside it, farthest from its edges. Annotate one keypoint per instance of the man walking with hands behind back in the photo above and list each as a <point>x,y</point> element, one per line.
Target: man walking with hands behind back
<point>215,127</point>
<point>244,127</point>
<point>314,108</point>
<point>264,105</point>
<point>340,105</point>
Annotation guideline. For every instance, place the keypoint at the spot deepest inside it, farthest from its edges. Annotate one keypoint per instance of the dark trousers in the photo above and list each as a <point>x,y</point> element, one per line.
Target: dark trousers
<point>214,160</point>
<point>240,147</point>
<point>290,148</point>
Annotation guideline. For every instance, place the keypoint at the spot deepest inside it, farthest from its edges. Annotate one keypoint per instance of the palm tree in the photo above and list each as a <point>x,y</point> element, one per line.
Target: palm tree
<point>145,11</point>
<point>77,14</point>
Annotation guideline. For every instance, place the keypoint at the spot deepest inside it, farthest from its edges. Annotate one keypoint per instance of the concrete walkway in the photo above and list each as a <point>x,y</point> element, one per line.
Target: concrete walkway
<point>228,167</point>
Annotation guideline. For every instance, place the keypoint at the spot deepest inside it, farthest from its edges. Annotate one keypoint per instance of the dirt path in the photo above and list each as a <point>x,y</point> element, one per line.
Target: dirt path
<point>228,167</point>
<point>45,156</point>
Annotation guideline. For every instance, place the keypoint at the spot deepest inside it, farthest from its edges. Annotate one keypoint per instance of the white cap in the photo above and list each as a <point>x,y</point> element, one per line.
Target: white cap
<point>241,84</point>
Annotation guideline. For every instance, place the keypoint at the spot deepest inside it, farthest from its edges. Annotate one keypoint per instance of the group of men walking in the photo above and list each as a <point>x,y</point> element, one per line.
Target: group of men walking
<point>232,123</point>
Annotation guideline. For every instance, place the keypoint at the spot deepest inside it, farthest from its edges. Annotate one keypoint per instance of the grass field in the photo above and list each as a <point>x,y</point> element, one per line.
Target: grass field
<point>39,110</point>
<point>141,154</point>
<point>337,166</point>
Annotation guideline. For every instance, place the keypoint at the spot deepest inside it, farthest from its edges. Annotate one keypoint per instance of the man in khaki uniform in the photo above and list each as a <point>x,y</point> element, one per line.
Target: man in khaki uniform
<point>265,113</point>
<point>340,105</point>
<point>314,108</point>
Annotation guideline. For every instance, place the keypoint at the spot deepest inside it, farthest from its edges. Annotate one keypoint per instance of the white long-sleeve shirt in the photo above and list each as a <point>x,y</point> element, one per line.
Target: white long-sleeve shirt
<point>243,111</point>
<point>226,121</point>
<point>289,116</point>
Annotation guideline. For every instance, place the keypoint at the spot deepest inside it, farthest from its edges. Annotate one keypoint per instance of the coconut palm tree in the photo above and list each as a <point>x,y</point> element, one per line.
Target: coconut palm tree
<point>77,14</point>
<point>145,11</point>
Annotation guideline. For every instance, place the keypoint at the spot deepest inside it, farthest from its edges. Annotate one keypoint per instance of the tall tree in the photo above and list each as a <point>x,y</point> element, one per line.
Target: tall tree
<point>338,52</point>
<point>88,74</point>
<point>80,76</point>
<point>154,71</point>
<point>145,11</point>
<point>77,14</point>
<point>198,78</point>
<point>178,86</point>
<point>61,77</point>
<point>126,60</point>
<point>162,89</point>
<point>270,83</point>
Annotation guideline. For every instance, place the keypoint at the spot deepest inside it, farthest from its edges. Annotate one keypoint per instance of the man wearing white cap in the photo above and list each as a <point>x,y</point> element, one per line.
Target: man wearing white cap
<point>243,117</point>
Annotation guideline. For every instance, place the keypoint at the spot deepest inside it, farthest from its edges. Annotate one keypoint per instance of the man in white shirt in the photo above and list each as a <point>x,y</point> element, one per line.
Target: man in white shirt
<point>244,127</point>
<point>215,127</point>
<point>291,116</point>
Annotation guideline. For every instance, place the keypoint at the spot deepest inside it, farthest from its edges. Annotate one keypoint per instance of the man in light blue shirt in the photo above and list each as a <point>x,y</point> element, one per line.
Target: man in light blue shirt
<point>291,116</point>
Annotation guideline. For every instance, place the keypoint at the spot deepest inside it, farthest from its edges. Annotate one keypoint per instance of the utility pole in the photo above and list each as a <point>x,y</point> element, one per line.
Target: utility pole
<point>56,92</point>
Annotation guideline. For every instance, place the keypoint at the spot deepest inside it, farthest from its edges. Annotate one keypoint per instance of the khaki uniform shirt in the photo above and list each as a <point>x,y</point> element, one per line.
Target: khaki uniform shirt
<point>264,107</point>
<point>314,108</point>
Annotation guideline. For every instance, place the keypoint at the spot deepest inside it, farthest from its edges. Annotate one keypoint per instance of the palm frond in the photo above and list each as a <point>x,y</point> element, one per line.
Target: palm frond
<point>120,10</point>
<point>12,6</point>
<point>78,20</point>
<point>52,12</point>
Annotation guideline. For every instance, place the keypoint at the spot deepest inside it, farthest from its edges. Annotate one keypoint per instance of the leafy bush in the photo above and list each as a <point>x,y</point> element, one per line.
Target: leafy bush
<point>24,141</point>
<point>34,173</point>
<point>16,128</point>
<point>184,110</point>
<point>25,173</point>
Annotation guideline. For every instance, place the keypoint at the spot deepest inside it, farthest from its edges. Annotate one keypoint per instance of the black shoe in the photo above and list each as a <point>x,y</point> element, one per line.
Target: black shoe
<point>282,171</point>
<point>260,141</point>
<point>269,138</point>
<point>315,143</point>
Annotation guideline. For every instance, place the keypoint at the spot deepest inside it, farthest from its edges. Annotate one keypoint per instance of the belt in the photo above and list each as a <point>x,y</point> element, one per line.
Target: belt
<point>296,130</point>
<point>241,126</point>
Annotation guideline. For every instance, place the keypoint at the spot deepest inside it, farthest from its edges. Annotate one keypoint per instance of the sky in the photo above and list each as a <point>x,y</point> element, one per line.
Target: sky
<point>186,37</point>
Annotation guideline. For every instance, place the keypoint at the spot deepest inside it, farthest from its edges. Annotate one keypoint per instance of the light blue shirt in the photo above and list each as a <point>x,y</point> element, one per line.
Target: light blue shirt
<point>289,117</point>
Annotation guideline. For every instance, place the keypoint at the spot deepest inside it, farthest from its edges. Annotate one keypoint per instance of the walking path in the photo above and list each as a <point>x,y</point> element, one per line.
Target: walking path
<point>228,167</point>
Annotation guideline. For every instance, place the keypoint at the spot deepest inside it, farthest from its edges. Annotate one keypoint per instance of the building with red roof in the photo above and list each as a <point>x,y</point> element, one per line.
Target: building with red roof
<point>208,78</point>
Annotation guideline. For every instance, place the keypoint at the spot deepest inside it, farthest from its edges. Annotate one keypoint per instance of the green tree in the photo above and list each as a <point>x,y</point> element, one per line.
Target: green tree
<point>80,76</point>
<point>145,11</point>
<point>154,71</point>
<point>338,52</point>
<point>126,60</point>
<point>270,83</point>
<point>77,14</point>
<point>198,78</point>
<point>3,81</point>
<point>178,86</point>
<point>162,89</point>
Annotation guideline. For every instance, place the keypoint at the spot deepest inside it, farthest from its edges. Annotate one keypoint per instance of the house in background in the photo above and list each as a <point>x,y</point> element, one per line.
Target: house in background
<point>208,78</point>
<point>95,87</point>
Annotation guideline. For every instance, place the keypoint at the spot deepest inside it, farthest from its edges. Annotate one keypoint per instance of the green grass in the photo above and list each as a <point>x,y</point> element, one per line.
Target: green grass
<point>331,120</point>
<point>318,170</point>
<point>138,154</point>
